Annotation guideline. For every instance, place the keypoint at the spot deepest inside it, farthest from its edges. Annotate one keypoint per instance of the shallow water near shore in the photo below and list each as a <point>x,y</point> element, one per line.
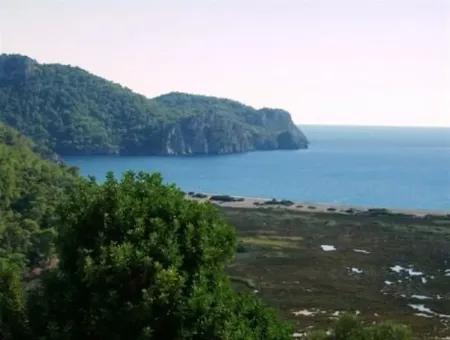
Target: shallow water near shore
<point>406,168</point>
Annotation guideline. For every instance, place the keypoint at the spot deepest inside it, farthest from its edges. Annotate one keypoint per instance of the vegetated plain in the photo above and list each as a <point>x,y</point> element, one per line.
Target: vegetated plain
<point>384,266</point>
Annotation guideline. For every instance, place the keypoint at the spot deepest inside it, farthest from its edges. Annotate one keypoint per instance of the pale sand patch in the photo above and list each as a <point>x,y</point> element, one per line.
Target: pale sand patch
<point>421,297</point>
<point>357,270</point>
<point>326,247</point>
<point>361,251</point>
<point>305,312</point>
<point>327,208</point>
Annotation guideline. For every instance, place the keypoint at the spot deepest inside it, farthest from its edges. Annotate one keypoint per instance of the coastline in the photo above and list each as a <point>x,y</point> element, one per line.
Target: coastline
<point>243,202</point>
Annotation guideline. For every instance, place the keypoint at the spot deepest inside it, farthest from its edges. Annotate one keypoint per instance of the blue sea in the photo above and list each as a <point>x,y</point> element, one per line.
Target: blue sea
<point>361,166</point>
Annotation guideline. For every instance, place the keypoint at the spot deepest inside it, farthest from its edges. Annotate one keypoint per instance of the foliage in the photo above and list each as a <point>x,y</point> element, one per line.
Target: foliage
<point>139,261</point>
<point>183,104</point>
<point>68,109</point>
<point>349,327</point>
<point>12,301</point>
<point>30,189</point>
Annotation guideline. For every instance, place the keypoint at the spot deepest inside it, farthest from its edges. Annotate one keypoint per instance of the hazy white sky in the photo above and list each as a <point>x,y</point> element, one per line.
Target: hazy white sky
<point>383,62</point>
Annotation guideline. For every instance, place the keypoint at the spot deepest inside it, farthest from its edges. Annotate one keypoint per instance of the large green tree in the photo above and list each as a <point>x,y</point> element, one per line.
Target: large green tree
<point>139,261</point>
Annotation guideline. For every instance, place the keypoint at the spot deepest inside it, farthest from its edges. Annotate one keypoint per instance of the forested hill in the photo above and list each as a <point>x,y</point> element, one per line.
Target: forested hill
<point>71,111</point>
<point>30,189</point>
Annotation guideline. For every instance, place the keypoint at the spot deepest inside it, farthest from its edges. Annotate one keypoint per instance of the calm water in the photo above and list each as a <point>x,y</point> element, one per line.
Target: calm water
<point>366,166</point>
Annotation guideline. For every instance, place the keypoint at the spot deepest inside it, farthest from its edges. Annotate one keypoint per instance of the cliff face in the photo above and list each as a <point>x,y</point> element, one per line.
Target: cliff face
<point>216,134</point>
<point>72,112</point>
<point>220,126</point>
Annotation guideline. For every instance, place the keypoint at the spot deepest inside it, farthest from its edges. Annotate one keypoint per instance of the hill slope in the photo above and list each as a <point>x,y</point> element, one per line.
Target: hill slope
<point>72,111</point>
<point>30,189</point>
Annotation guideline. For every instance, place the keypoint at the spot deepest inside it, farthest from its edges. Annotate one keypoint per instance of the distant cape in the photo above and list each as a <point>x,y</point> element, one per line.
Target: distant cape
<point>73,112</point>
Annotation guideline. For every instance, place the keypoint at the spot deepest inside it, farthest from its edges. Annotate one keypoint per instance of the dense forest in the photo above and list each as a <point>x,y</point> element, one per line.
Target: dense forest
<point>70,111</point>
<point>30,189</point>
<point>126,259</point>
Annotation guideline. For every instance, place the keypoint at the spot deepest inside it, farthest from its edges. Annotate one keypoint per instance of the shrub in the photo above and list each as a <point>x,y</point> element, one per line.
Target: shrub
<point>139,261</point>
<point>349,327</point>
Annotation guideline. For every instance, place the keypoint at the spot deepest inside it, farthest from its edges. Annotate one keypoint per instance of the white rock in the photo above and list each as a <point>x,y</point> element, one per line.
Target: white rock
<point>304,312</point>
<point>412,272</point>
<point>298,335</point>
<point>362,251</point>
<point>421,308</point>
<point>421,297</point>
<point>397,268</point>
<point>426,310</point>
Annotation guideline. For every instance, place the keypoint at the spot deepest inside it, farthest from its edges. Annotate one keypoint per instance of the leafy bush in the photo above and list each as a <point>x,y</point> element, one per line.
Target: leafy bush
<point>137,260</point>
<point>349,327</point>
<point>30,190</point>
<point>12,301</point>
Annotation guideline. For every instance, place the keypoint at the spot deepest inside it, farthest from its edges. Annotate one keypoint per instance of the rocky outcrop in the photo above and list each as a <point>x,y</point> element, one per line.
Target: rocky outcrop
<point>216,134</point>
<point>222,126</point>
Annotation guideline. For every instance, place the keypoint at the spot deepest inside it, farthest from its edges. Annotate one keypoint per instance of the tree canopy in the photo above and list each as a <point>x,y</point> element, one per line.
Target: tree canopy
<point>137,260</point>
<point>30,189</point>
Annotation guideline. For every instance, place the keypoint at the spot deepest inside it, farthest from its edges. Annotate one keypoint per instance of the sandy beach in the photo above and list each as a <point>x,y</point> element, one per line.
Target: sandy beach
<point>308,207</point>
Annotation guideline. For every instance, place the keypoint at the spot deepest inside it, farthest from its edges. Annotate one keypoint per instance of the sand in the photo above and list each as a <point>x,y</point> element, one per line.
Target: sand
<point>313,207</point>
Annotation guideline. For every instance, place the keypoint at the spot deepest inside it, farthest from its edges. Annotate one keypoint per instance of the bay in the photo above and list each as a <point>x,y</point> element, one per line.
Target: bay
<point>407,168</point>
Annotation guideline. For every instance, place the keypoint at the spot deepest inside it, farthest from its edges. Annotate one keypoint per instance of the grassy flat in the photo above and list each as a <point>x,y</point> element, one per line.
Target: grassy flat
<point>385,267</point>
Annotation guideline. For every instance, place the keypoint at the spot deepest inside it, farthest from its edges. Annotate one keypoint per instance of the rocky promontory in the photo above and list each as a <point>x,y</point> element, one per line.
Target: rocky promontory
<point>73,112</point>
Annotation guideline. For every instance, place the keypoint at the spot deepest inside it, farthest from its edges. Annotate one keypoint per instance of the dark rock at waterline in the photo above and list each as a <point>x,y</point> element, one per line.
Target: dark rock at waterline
<point>277,202</point>
<point>226,198</point>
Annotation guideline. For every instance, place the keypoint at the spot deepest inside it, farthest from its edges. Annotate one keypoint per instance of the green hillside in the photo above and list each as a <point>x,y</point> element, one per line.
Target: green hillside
<point>30,189</point>
<point>71,111</point>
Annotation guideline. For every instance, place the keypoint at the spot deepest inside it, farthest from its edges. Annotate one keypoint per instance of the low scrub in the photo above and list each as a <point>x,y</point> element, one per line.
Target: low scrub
<point>349,327</point>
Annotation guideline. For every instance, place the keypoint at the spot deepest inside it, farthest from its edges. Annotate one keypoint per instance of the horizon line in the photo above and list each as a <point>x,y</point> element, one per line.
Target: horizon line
<point>378,125</point>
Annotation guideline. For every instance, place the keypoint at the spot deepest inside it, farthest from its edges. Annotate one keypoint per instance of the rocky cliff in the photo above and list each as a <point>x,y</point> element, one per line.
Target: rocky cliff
<point>221,126</point>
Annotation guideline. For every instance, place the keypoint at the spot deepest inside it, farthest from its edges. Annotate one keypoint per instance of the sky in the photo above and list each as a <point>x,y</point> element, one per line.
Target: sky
<point>351,62</point>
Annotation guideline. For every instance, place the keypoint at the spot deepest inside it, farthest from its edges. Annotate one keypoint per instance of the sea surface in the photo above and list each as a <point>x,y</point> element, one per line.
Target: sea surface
<point>406,168</point>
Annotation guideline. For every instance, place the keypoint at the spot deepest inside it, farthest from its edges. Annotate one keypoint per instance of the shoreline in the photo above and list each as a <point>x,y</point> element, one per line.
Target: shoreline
<point>234,201</point>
